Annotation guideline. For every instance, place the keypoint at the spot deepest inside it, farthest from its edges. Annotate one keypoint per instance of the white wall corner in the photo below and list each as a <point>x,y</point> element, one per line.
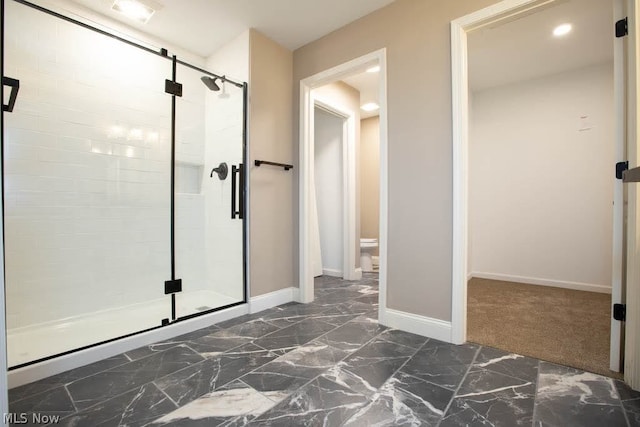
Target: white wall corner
<point>273,299</point>
<point>421,325</point>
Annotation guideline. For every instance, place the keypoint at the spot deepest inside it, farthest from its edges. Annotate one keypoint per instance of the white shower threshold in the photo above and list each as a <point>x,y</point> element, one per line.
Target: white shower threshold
<point>43,340</point>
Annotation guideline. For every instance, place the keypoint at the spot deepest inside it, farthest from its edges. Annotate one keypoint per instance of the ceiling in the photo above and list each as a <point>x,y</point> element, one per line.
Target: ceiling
<point>525,48</point>
<point>203,26</point>
<point>368,86</point>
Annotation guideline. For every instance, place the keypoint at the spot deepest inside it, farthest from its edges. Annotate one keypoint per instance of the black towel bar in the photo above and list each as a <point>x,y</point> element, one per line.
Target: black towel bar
<point>265,162</point>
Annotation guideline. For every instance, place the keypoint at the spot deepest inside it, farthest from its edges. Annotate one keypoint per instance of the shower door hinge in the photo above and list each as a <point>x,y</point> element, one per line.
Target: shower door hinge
<point>172,286</point>
<point>620,312</point>
<point>164,322</point>
<point>622,27</point>
<point>620,168</point>
<point>173,88</point>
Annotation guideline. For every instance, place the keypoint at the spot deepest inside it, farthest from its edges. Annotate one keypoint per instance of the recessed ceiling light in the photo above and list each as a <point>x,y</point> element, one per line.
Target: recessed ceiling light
<point>562,30</point>
<point>370,106</point>
<point>373,69</point>
<point>140,11</point>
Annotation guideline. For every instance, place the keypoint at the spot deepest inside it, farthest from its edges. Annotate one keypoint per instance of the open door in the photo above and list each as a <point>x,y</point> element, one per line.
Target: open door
<point>619,193</point>
<point>631,177</point>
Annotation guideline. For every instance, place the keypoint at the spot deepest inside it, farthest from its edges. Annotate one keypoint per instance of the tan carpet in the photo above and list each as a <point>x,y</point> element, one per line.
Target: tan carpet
<point>557,325</point>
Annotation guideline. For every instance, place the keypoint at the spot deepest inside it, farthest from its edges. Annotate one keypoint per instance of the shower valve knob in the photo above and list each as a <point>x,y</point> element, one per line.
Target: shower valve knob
<point>222,170</point>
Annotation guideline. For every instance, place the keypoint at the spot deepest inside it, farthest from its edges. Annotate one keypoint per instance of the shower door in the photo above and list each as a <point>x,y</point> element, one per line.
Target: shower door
<point>209,199</point>
<point>87,170</point>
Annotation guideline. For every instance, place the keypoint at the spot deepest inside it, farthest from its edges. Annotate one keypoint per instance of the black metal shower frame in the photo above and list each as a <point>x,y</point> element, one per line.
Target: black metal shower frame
<point>244,179</point>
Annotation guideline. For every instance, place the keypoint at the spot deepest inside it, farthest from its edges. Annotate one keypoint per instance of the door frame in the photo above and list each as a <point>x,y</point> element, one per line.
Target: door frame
<point>348,141</point>
<point>306,149</point>
<point>505,10</point>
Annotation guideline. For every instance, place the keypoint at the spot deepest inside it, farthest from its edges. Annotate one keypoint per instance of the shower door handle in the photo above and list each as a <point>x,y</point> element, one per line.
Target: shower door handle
<point>14,84</point>
<point>237,193</point>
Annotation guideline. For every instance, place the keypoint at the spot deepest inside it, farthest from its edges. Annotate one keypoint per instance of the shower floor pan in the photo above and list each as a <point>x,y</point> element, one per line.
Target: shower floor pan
<point>46,339</point>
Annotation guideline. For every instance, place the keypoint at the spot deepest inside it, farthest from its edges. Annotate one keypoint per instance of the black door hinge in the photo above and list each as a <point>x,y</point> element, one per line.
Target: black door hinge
<point>172,286</point>
<point>620,168</point>
<point>164,322</point>
<point>622,27</point>
<point>173,88</point>
<point>620,312</point>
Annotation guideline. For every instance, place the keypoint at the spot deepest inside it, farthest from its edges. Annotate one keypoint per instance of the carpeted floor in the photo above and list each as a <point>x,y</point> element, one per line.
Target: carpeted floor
<point>557,325</point>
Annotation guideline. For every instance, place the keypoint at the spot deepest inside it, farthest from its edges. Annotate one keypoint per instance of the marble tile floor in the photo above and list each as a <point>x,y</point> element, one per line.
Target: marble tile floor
<point>328,363</point>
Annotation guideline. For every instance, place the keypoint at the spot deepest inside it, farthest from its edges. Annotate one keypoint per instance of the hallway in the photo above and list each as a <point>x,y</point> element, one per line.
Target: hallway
<point>325,363</point>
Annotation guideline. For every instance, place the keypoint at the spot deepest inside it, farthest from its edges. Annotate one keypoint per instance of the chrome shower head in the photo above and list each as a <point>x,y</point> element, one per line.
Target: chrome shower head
<point>210,83</point>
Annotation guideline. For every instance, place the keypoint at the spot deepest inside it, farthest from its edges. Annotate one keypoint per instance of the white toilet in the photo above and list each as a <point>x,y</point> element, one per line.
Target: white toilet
<point>367,247</point>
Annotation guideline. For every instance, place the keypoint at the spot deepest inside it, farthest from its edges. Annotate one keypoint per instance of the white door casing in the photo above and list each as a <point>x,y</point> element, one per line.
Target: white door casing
<point>632,324</point>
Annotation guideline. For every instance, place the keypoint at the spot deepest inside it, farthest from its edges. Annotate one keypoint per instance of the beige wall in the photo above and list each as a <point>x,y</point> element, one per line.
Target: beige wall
<point>343,96</point>
<point>370,178</point>
<point>270,122</point>
<point>416,34</point>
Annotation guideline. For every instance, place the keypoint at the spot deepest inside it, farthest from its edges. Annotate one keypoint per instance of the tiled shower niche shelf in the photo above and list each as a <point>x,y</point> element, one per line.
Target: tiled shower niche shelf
<point>189,177</point>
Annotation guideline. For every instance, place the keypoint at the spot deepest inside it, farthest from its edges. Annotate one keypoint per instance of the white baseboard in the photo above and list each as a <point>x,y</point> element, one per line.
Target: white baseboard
<point>331,272</point>
<point>272,299</point>
<point>76,359</point>
<point>421,325</point>
<point>577,286</point>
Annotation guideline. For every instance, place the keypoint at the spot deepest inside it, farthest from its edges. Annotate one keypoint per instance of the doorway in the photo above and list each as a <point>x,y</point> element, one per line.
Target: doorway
<point>565,259</point>
<point>311,97</point>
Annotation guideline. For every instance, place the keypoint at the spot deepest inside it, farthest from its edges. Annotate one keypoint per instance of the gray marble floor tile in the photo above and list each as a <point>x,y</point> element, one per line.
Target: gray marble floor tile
<point>286,316</point>
<point>319,403</point>
<point>625,392</point>
<point>341,376</point>
<point>196,380</point>
<point>232,405</point>
<point>376,362</point>
<point>404,401</point>
<point>337,296</point>
<point>497,398</point>
<point>226,339</point>
<point>327,363</point>
<point>441,363</point>
<point>52,402</point>
<point>506,363</point>
<point>632,408</point>
<point>248,317</point>
<point>63,378</point>
<point>132,409</point>
<point>333,319</point>
<point>569,397</point>
<point>371,299</point>
<point>351,336</point>
<point>295,368</point>
<point>105,385</point>
<point>461,414</point>
<point>403,338</point>
<point>148,350</point>
<point>295,335</point>
<point>352,307</point>
<point>327,281</point>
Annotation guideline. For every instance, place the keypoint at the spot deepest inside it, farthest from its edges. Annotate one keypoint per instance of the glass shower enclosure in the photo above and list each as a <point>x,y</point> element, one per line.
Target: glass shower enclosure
<point>123,184</point>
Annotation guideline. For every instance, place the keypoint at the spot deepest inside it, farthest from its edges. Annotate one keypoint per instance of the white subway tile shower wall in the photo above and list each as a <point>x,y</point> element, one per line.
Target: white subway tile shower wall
<point>87,172</point>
